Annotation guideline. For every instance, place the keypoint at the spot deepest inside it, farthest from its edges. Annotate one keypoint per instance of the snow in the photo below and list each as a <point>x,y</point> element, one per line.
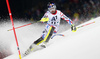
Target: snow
<point>83,44</point>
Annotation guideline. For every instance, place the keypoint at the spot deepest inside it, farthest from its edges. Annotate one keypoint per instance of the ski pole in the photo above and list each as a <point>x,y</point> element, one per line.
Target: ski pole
<point>56,35</point>
<point>86,24</point>
<point>11,18</point>
<point>43,20</point>
<point>20,26</point>
<point>23,26</point>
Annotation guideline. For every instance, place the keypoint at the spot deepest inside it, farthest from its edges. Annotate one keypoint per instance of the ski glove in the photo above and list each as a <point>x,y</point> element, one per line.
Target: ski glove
<point>73,28</point>
<point>44,19</point>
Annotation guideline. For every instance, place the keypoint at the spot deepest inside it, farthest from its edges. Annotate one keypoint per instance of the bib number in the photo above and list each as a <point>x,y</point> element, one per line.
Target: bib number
<point>53,20</point>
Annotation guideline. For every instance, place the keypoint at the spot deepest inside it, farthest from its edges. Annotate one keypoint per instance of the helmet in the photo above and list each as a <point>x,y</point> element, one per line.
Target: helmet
<point>51,7</point>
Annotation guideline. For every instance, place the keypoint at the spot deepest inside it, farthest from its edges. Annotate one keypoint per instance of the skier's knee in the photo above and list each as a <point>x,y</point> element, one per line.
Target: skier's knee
<point>38,40</point>
<point>50,34</point>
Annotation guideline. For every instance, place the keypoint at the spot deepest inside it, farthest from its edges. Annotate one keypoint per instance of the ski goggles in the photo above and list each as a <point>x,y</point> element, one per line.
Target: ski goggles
<point>51,5</point>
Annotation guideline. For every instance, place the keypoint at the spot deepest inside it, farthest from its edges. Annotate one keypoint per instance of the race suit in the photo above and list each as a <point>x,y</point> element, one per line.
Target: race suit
<point>52,25</point>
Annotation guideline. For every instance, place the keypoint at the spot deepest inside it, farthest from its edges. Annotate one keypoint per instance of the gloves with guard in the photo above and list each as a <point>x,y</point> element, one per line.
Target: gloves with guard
<point>73,28</point>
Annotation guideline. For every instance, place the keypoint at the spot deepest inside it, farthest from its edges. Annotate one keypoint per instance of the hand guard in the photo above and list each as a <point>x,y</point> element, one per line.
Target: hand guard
<point>73,28</point>
<point>44,19</point>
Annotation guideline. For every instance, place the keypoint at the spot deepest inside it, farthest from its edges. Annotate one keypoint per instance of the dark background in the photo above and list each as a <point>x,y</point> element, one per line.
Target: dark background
<point>18,7</point>
<point>35,9</point>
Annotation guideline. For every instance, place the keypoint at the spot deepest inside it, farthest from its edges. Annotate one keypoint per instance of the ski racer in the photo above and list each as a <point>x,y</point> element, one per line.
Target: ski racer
<point>53,17</point>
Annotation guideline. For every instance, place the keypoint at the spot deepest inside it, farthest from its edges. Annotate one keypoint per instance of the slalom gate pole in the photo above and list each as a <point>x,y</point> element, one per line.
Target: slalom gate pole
<point>86,24</point>
<point>13,27</point>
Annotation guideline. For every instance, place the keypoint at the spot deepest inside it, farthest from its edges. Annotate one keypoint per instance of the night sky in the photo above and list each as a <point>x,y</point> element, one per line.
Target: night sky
<point>17,6</point>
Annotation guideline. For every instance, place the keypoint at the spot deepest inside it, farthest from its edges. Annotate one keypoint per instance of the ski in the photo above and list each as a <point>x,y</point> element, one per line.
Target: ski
<point>33,48</point>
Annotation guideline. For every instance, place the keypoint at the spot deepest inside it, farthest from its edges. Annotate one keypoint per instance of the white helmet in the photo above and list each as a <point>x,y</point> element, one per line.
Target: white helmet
<point>51,7</point>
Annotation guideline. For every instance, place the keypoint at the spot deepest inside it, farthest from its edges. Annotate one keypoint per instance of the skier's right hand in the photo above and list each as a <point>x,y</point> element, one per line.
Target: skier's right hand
<point>44,20</point>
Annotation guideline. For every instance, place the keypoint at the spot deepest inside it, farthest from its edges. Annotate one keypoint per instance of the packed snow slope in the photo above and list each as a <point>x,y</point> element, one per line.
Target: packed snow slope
<point>83,44</point>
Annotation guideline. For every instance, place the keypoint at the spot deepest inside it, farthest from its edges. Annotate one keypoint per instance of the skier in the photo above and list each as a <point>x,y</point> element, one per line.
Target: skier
<point>53,17</point>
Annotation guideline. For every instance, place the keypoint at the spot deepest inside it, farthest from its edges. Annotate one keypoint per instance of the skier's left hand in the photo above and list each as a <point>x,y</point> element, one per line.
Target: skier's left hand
<point>73,28</point>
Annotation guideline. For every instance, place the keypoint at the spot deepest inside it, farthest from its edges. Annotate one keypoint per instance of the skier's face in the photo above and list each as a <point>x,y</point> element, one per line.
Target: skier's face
<point>52,10</point>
